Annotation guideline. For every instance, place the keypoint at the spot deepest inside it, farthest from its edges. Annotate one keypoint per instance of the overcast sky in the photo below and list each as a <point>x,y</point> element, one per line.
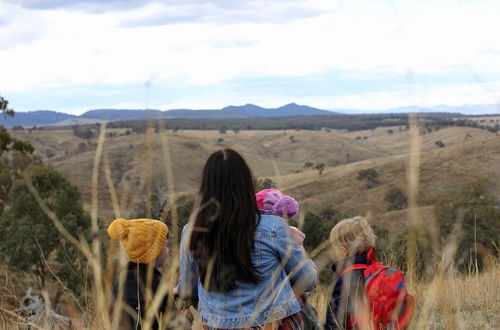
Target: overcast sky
<point>76,55</point>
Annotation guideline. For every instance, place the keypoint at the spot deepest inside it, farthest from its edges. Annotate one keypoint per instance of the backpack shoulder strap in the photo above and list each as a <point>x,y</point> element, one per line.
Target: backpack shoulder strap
<point>353,267</point>
<point>375,273</point>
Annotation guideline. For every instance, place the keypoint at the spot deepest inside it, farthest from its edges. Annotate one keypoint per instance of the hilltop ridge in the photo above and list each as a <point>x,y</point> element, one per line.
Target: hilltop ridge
<point>56,118</point>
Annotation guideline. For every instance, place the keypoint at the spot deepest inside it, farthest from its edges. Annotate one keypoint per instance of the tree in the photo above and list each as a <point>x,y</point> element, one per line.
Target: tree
<point>476,211</point>
<point>423,262</point>
<point>83,132</point>
<point>15,156</point>
<point>396,199</point>
<point>151,205</point>
<point>390,131</point>
<point>158,204</point>
<point>320,167</point>
<point>308,164</point>
<point>29,237</point>
<point>370,175</point>
<point>292,139</point>
<point>439,144</point>
<point>4,107</point>
<point>314,230</point>
<point>264,184</point>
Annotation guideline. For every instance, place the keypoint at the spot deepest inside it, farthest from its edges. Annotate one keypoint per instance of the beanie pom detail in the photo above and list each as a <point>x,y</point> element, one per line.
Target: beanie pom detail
<point>118,229</point>
<point>286,207</point>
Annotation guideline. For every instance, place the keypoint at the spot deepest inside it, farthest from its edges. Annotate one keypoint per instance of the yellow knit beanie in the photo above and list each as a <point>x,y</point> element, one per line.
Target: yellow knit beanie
<point>142,239</point>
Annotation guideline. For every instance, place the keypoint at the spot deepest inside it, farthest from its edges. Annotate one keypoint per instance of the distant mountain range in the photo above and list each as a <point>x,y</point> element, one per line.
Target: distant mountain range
<point>51,118</point>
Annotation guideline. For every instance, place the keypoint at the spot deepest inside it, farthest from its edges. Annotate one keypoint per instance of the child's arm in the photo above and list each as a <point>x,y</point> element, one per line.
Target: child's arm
<point>298,236</point>
<point>302,271</point>
<point>332,317</point>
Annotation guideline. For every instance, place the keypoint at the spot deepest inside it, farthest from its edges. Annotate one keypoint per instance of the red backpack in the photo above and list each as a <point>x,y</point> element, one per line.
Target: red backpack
<point>390,304</point>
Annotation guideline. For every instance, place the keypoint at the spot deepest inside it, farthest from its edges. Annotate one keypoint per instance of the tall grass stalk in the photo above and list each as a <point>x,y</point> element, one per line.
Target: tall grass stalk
<point>445,298</point>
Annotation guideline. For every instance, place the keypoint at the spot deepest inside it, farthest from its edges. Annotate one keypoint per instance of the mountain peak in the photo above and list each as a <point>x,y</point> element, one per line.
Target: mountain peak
<point>248,106</point>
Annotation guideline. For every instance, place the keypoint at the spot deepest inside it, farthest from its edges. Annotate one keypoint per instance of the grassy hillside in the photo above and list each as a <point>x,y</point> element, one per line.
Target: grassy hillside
<point>280,155</point>
<point>441,171</point>
<point>136,162</point>
<point>395,140</point>
<point>269,153</point>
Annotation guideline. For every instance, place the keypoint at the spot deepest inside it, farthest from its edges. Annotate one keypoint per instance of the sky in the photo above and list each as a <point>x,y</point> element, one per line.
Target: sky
<point>77,55</point>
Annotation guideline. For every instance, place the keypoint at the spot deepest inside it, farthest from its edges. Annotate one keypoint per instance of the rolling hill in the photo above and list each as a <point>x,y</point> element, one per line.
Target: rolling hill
<point>282,156</point>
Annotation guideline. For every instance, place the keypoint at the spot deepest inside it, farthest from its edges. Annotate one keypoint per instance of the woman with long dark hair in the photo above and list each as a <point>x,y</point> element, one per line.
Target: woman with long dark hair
<point>239,265</point>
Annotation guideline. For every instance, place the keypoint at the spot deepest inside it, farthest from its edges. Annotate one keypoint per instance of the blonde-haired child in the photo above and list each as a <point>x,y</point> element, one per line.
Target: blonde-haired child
<point>352,240</point>
<point>367,294</point>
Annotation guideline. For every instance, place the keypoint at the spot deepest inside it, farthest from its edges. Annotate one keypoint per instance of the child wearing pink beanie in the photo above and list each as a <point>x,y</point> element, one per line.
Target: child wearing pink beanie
<point>273,202</point>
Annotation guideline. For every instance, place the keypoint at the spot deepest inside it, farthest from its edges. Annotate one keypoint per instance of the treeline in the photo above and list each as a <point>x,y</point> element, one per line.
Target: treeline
<point>314,122</point>
<point>463,122</point>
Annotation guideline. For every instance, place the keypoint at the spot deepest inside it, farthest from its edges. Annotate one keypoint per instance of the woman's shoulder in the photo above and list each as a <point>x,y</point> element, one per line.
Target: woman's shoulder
<point>270,222</point>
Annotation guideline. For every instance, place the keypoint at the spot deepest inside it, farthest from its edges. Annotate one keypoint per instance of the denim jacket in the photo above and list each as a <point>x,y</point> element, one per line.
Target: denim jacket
<point>280,263</point>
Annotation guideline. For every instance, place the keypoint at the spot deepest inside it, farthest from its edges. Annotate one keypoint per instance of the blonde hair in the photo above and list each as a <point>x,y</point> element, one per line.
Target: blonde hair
<point>354,234</point>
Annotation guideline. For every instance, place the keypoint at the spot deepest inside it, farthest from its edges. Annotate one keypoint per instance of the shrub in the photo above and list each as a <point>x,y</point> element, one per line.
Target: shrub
<point>82,132</point>
<point>265,184</point>
<point>439,144</point>
<point>473,215</point>
<point>399,250</point>
<point>369,175</point>
<point>320,167</point>
<point>396,199</point>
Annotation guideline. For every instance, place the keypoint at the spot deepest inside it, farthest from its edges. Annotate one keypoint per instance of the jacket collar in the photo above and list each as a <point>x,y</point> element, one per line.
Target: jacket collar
<point>339,266</point>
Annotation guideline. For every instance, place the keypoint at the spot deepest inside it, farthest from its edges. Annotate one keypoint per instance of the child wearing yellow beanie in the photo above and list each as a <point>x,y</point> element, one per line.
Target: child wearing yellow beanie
<point>144,241</point>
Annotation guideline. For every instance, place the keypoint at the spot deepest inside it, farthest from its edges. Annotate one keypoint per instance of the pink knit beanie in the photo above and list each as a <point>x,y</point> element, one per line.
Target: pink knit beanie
<point>273,202</point>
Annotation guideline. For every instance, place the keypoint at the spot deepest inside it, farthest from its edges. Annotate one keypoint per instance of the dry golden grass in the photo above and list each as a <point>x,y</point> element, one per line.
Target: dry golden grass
<point>268,152</point>
<point>453,302</point>
<point>271,154</point>
<point>398,141</point>
<point>444,301</point>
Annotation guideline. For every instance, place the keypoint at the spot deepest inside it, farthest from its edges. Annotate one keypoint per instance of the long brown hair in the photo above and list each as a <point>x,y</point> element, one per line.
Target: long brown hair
<point>222,239</point>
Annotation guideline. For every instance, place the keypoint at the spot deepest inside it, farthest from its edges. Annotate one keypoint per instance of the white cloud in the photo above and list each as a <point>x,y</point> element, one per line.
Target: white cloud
<point>423,95</point>
<point>68,48</point>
